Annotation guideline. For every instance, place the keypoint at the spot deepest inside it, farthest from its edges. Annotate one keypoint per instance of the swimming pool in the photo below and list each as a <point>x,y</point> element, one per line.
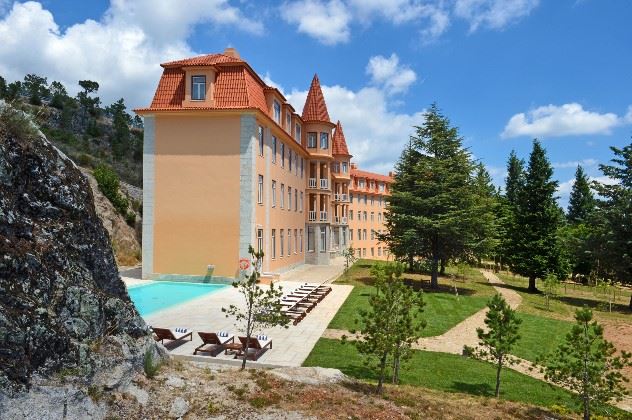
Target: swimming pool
<point>149,298</point>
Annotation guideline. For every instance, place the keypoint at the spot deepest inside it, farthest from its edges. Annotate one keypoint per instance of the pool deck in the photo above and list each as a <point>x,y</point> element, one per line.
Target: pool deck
<point>290,346</point>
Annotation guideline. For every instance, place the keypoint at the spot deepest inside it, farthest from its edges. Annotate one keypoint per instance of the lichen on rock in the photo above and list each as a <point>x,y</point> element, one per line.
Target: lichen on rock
<point>63,306</point>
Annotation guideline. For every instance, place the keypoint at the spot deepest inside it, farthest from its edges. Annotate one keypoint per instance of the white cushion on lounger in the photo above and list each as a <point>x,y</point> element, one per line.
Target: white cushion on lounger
<point>179,335</point>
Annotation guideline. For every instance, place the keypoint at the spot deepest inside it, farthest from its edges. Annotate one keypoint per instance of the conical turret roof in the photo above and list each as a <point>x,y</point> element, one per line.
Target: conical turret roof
<point>315,108</point>
<point>339,146</point>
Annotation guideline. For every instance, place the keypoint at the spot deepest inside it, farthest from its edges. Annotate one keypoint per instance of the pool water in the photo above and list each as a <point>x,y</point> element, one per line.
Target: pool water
<point>159,295</point>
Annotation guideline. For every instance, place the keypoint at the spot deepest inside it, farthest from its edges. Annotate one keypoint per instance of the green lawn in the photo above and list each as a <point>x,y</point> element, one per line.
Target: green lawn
<point>443,309</point>
<point>444,372</point>
<point>539,335</point>
<point>441,312</point>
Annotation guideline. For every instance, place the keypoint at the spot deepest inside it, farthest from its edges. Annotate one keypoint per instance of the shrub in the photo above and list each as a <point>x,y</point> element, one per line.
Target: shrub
<point>108,182</point>
<point>150,366</point>
<point>16,122</point>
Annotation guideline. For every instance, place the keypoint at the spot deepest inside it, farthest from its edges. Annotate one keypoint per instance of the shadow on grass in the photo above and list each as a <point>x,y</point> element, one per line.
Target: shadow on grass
<point>443,288</point>
<point>594,304</point>
<point>482,389</point>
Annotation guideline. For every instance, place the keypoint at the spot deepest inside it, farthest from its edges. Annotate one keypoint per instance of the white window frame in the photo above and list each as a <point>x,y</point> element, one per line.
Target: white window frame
<point>273,193</point>
<point>260,190</point>
<point>196,94</point>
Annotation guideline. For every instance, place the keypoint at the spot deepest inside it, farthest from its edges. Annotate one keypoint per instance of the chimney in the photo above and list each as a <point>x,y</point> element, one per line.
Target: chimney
<point>231,52</point>
<point>390,174</point>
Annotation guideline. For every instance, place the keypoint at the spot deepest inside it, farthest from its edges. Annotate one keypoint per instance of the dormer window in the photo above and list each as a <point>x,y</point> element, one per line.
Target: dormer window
<point>345,168</point>
<point>297,133</point>
<point>277,112</point>
<point>288,122</point>
<point>311,140</point>
<point>198,88</point>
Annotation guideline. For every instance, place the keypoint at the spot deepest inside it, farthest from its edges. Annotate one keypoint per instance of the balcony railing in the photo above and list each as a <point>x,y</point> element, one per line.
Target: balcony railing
<point>341,197</point>
<point>344,220</point>
<point>323,216</point>
<point>312,183</point>
<point>312,216</point>
<point>340,220</point>
<point>324,184</point>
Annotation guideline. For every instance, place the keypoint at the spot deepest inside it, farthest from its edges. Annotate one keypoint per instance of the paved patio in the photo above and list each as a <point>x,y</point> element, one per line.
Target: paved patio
<point>290,347</point>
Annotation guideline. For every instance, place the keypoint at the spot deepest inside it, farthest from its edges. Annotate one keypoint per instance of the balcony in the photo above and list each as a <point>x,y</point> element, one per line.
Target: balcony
<point>312,183</point>
<point>311,216</point>
<point>340,220</point>
<point>324,184</point>
<point>341,197</point>
<point>344,221</point>
<point>323,216</point>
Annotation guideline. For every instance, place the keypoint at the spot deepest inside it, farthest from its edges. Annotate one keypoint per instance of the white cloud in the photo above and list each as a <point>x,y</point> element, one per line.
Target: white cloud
<point>564,120</point>
<point>575,163</point>
<point>328,21</point>
<point>120,51</point>
<point>493,14</point>
<point>375,134</point>
<point>387,72</point>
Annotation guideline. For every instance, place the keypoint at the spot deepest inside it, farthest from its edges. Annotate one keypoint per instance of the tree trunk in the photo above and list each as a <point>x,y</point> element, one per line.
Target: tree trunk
<point>411,262</point>
<point>380,382</point>
<point>498,369</point>
<point>442,270</point>
<point>532,287</point>
<point>630,305</point>
<point>434,276</point>
<point>586,408</point>
<point>396,367</point>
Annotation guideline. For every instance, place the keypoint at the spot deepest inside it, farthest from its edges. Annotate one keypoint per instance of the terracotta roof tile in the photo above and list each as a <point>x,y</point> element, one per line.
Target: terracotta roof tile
<point>170,91</point>
<point>370,175</point>
<point>339,146</point>
<point>203,60</point>
<point>230,88</point>
<point>315,108</point>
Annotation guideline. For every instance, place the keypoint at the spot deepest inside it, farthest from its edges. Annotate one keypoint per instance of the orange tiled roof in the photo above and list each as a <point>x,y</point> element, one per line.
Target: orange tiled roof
<point>339,145</point>
<point>370,175</point>
<point>315,108</point>
<point>203,60</point>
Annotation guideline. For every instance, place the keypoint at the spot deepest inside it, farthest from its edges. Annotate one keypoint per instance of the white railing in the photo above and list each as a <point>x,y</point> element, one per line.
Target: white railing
<point>324,184</point>
<point>344,220</point>
<point>344,197</point>
<point>312,216</point>
<point>312,183</point>
<point>336,219</point>
<point>323,216</point>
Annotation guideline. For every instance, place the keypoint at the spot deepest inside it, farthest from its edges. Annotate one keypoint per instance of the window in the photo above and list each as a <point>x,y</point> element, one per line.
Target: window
<point>379,217</point>
<point>311,140</point>
<point>364,234</point>
<point>274,141</point>
<point>301,239</point>
<point>260,190</point>
<point>198,88</point>
<point>260,141</point>
<point>372,234</point>
<point>296,199</point>
<point>379,251</point>
<point>359,234</point>
<point>361,183</point>
<point>350,214</point>
<point>260,239</point>
<point>302,163</point>
<point>273,193</point>
<point>344,237</point>
<point>365,203</point>
<point>324,140</point>
<point>371,200</point>
<point>336,167</point>
<point>289,160</point>
<point>301,202</point>
<point>295,241</point>
<point>365,216</point>
<point>277,112</point>
<point>351,234</point>
<point>273,236</point>
<point>297,132</point>
<point>381,190</point>
<point>288,122</point>
<point>323,239</point>
<point>289,198</point>
<point>282,195</point>
<point>372,252</point>
<point>351,198</point>
<point>364,252</point>
<point>296,163</point>
<point>282,155</point>
<point>281,242</point>
<point>289,242</point>
<point>345,167</point>
<point>310,239</point>
<point>372,216</point>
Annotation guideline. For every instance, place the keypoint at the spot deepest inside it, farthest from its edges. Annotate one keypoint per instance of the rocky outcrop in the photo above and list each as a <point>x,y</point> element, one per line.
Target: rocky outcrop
<point>125,239</point>
<point>65,315</point>
<point>310,375</point>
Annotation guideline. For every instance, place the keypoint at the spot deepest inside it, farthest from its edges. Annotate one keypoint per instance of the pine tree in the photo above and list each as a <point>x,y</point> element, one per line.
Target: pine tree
<point>514,183</point>
<point>486,234</point>
<point>615,212</point>
<point>3,88</point>
<point>501,335</point>
<point>585,363</point>
<point>581,202</point>
<point>538,217</point>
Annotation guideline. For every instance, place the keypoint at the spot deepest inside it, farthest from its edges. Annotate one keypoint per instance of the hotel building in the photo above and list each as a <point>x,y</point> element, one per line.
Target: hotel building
<point>228,162</point>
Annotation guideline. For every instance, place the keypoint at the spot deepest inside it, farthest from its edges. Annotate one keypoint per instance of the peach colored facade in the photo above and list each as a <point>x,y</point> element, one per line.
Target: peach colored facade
<point>228,163</point>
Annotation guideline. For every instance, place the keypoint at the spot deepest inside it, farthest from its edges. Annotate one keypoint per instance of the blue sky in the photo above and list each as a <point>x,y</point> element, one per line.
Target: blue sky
<point>503,71</point>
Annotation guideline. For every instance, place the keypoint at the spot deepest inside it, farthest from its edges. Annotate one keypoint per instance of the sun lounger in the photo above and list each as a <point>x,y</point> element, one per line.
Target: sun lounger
<point>175,334</point>
<point>256,347</point>
<point>295,315</point>
<point>214,341</point>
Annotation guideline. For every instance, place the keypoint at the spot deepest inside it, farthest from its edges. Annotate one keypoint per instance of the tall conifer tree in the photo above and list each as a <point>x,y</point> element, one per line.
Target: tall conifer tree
<point>538,218</point>
<point>581,202</point>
